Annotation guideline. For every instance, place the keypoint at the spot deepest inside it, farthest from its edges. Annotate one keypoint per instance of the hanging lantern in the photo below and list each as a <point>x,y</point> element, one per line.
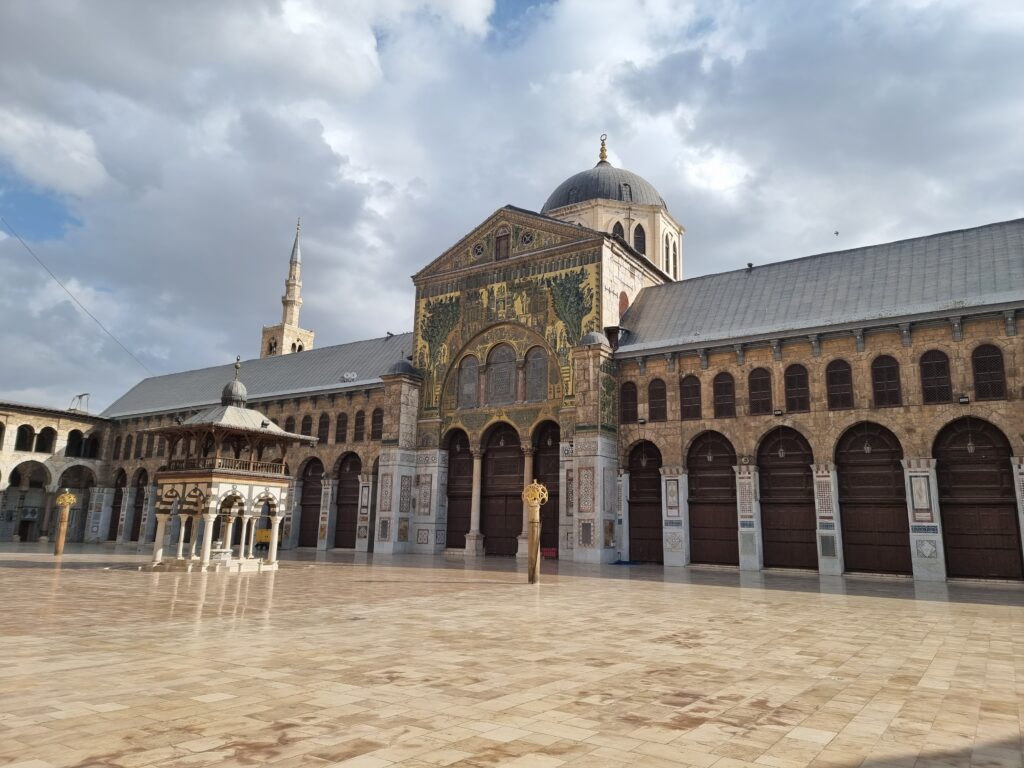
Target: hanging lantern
<point>970,446</point>
<point>710,457</point>
<point>867,446</point>
<point>782,452</point>
<point>643,456</point>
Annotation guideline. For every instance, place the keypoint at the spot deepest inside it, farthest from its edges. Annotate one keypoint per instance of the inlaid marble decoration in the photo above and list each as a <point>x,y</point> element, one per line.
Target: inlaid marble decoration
<point>586,490</point>
<point>423,507</point>
<point>672,494</point>
<point>405,494</point>
<point>364,499</point>
<point>586,533</point>
<point>403,529</point>
<point>361,532</point>
<point>927,548</point>
<point>385,492</point>
<point>441,536</point>
<point>610,482</point>
<point>384,529</point>
<point>674,542</point>
<point>570,492</point>
<point>422,535</point>
<point>823,492</point>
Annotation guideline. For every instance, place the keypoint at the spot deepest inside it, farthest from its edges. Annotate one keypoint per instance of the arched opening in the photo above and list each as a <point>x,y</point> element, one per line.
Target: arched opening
<point>80,481</point>
<point>989,374</point>
<point>139,503</point>
<point>623,303</point>
<point>307,426</point>
<point>759,389</point>
<point>501,375</point>
<point>312,488</point>
<point>323,429</point>
<point>839,385</point>
<point>25,438</point>
<point>873,500</point>
<point>469,382</point>
<point>289,424</point>
<point>75,445</point>
<point>377,424</point>
<point>359,428</point>
<point>341,428</point>
<point>798,391</point>
<point>120,483</point>
<point>347,507</point>
<point>28,512</point>
<point>536,375</point>
<point>725,396</point>
<point>627,403</point>
<point>788,518</point>
<point>977,501</point>
<point>46,440</point>
<point>640,239</point>
<point>645,539</point>
<point>618,231</point>
<point>546,458</point>
<point>657,402</point>
<point>460,489</point>
<point>885,382</point>
<point>501,513</point>
<point>93,446</point>
<point>689,398</point>
<point>936,386</point>
<point>711,498</point>
<point>127,452</point>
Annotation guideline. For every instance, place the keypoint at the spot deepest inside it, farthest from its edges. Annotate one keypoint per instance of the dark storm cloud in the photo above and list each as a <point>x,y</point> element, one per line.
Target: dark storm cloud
<point>186,137</point>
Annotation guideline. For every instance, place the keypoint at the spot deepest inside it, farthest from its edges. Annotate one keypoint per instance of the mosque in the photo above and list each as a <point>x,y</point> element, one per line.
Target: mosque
<point>855,411</point>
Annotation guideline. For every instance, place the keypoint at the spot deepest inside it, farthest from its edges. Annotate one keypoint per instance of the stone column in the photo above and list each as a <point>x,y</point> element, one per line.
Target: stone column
<point>474,540</point>
<point>325,533</point>
<point>830,531</point>
<point>597,499</point>
<point>1017,462</point>
<point>148,514</point>
<point>241,542</point>
<point>927,552</point>
<point>523,548</point>
<point>44,532</point>
<point>366,520</point>
<point>158,539</point>
<point>195,536</point>
<point>208,520</point>
<point>622,521</point>
<point>275,525</point>
<point>227,528</point>
<point>567,494</point>
<point>748,509</point>
<point>252,536</point>
<point>675,517</point>
<point>181,536</point>
<point>127,501</point>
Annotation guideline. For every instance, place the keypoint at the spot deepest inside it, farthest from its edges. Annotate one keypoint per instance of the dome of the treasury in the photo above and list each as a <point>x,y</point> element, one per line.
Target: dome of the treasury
<point>603,182</point>
<point>234,392</point>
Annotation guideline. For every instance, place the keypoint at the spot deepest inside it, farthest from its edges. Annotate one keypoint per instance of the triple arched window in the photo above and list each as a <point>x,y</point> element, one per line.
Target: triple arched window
<point>657,401</point>
<point>885,382</point>
<point>798,391</point>
<point>759,385</point>
<point>501,375</point>
<point>936,386</point>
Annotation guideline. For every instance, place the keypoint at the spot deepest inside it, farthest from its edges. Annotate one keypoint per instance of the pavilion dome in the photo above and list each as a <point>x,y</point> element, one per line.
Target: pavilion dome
<point>234,392</point>
<point>603,182</point>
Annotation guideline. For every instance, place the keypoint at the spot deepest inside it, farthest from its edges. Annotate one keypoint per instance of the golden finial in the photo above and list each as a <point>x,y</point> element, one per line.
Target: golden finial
<point>238,365</point>
<point>66,498</point>
<point>604,149</point>
<point>535,493</point>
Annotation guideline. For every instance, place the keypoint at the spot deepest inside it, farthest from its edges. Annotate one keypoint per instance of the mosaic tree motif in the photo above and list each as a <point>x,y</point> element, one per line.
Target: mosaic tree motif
<point>573,300</point>
<point>440,319</point>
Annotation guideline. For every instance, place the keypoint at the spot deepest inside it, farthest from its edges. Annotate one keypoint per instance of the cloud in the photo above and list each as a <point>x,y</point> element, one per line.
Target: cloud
<point>184,139</point>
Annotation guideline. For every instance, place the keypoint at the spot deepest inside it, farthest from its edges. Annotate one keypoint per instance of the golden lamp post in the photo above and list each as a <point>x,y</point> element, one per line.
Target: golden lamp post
<point>64,502</point>
<point>534,495</point>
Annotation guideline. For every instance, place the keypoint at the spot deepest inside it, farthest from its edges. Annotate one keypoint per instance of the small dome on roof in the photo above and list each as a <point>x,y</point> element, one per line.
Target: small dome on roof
<point>603,182</point>
<point>403,368</point>
<point>594,337</point>
<point>234,392</point>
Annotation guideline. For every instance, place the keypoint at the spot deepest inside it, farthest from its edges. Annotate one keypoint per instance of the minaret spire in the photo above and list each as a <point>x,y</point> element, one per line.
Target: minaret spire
<point>296,253</point>
<point>288,336</point>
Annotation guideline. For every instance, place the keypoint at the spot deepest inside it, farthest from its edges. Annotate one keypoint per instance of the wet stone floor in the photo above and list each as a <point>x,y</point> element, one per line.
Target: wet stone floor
<point>416,661</point>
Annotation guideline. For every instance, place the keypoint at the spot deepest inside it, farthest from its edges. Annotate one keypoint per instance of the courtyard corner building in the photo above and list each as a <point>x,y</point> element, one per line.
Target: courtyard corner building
<point>856,411</point>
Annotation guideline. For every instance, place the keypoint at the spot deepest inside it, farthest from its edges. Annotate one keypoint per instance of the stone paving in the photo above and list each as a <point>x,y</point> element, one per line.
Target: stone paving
<point>416,661</point>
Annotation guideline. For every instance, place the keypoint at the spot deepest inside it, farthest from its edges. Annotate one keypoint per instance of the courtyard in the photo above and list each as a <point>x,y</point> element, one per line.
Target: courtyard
<point>419,661</point>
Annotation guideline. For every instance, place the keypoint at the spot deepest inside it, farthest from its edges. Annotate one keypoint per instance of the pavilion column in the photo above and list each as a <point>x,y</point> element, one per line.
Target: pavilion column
<point>181,536</point>
<point>226,530</point>
<point>523,541</point>
<point>474,541</point>
<point>252,536</point>
<point>193,539</point>
<point>208,519</point>
<point>275,525</point>
<point>158,540</point>
<point>248,535</point>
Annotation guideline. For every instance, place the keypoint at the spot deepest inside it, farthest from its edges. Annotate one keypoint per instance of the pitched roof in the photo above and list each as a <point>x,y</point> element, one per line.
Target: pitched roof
<point>240,419</point>
<point>942,273</point>
<point>314,370</point>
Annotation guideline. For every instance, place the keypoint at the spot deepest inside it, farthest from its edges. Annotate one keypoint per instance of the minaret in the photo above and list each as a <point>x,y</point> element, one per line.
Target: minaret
<point>288,336</point>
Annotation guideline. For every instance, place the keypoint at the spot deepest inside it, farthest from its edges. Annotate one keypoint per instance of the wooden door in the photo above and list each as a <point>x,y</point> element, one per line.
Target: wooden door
<point>711,494</point>
<point>545,469</point>
<point>873,501</point>
<point>347,514</point>
<point>137,509</point>
<point>460,490</point>
<point>977,501</point>
<point>645,525</point>
<point>788,518</point>
<point>115,511</point>
<point>312,487</point>
<point>501,513</point>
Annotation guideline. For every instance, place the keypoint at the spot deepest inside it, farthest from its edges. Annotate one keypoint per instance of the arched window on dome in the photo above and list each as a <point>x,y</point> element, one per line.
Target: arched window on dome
<point>626,192</point>
<point>618,231</point>
<point>640,239</point>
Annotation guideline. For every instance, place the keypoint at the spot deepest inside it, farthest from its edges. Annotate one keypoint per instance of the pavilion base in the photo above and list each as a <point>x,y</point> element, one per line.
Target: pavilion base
<point>217,565</point>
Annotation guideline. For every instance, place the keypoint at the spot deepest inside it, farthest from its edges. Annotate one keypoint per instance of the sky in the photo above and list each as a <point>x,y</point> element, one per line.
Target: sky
<point>157,155</point>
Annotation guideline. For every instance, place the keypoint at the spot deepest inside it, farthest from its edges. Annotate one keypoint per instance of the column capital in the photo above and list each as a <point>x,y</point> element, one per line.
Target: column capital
<point>478,453</point>
<point>528,450</point>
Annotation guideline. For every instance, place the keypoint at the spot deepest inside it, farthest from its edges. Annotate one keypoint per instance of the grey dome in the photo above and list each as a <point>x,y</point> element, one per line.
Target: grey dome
<point>403,368</point>
<point>603,182</point>
<point>594,337</point>
<point>234,393</point>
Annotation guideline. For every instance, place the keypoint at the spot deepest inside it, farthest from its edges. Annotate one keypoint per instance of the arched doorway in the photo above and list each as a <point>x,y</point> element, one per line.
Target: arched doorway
<point>546,458</point>
<point>711,498</point>
<point>645,540</point>
<point>788,519</point>
<point>976,498</point>
<point>347,514</point>
<point>80,481</point>
<point>139,503</point>
<point>312,488</point>
<point>501,513</point>
<point>873,500</point>
<point>460,489</point>
<point>31,478</point>
<point>120,483</point>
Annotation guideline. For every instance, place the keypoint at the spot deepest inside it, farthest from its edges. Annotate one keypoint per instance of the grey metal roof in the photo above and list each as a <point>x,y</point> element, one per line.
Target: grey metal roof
<point>603,182</point>
<point>942,273</point>
<point>314,370</point>
<point>242,419</point>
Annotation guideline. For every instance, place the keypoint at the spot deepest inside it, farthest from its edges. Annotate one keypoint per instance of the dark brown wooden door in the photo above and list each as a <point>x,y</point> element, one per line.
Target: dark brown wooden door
<point>115,507</point>
<point>545,469</point>
<point>788,519</point>
<point>711,494</point>
<point>139,506</point>
<point>501,512</point>
<point>312,487</point>
<point>873,501</point>
<point>460,490</point>
<point>645,537</point>
<point>347,514</point>
<point>976,497</point>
